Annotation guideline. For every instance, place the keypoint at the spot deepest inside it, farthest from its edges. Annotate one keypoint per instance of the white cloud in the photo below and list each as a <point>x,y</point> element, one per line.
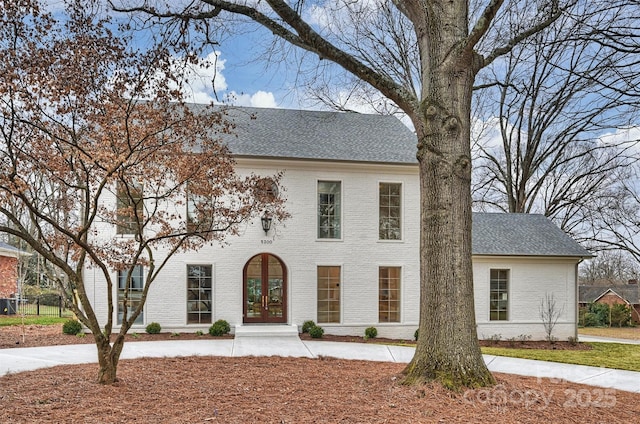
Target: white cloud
<point>623,135</point>
<point>258,99</point>
<point>202,80</point>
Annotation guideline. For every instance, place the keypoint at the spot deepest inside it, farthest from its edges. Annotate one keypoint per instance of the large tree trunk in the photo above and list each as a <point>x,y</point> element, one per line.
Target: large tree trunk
<point>448,350</point>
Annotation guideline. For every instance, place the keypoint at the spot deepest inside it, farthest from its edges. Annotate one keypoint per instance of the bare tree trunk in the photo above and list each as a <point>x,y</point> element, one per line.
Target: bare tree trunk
<point>448,349</point>
<point>108,358</point>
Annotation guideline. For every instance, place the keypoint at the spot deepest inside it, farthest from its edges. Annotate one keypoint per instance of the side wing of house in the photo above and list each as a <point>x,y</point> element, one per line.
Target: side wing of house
<point>522,262</point>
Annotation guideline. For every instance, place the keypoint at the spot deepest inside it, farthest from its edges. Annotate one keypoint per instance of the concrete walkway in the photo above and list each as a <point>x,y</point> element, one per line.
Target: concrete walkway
<point>25,359</point>
<point>606,340</point>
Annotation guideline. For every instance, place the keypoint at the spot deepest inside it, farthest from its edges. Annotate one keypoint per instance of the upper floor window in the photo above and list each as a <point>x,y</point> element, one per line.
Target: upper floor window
<point>499,295</point>
<point>199,212</point>
<point>129,208</point>
<point>389,211</point>
<point>329,209</point>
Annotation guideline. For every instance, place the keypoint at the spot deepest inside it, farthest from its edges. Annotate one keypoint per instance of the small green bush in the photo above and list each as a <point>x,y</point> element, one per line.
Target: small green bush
<point>153,328</point>
<point>316,332</point>
<point>308,325</point>
<point>370,333</point>
<point>415,335</point>
<point>199,333</point>
<point>219,328</point>
<point>72,327</point>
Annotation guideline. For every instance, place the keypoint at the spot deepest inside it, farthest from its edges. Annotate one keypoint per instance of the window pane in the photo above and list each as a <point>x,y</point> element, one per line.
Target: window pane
<point>329,199</point>
<point>129,206</point>
<point>389,294</point>
<point>389,211</point>
<point>328,294</point>
<point>133,296</point>
<point>199,294</point>
<point>499,295</point>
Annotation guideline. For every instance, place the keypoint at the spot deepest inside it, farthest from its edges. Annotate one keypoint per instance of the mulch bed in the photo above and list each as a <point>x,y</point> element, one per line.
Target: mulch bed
<point>283,390</point>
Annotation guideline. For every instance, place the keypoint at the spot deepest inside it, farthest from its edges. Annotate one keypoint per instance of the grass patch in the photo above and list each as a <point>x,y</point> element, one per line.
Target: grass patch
<point>31,320</point>
<point>632,333</point>
<point>608,355</point>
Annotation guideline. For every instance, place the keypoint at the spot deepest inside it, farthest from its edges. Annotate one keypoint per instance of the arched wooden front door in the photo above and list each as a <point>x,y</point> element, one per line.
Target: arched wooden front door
<point>265,290</point>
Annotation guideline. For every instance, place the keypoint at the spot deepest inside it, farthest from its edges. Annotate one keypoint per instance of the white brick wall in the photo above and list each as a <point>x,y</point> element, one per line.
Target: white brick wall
<point>359,253</point>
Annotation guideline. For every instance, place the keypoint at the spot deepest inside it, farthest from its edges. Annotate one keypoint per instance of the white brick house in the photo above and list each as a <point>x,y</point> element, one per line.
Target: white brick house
<point>348,256</point>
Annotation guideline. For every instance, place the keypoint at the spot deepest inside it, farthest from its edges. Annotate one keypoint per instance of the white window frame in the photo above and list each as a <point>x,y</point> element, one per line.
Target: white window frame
<point>339,215</point>
<point>400,215</point>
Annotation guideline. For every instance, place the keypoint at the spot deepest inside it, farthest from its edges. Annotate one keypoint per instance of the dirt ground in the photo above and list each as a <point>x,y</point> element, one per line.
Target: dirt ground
<point>282,390</point>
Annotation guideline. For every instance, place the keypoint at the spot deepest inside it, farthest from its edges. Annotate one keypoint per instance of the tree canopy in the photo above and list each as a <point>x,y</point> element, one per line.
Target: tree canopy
<point>94,137</point>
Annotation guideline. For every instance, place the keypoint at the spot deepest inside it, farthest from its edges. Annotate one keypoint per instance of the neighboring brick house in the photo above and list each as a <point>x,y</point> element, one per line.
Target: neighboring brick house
<point>348,258</point>
<point>615,294</point>
<point>8,270</point>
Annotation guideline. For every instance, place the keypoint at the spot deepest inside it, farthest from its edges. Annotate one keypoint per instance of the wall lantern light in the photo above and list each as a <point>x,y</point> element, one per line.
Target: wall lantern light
<point>266,223</point>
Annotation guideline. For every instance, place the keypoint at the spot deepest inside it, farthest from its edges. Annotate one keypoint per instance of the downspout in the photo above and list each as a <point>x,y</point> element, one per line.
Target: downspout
<point>577,302</point>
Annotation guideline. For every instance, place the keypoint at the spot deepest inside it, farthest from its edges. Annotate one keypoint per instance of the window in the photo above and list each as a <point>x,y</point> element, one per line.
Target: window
<point>199,294</point>
<point>129,208</point>
<point>389,294</point>
<point>134,295</point>
<point>328,294</point>
<point>389,222</point>
<point>499,297</point>
<point>329,209</point>
<point>198,212</point>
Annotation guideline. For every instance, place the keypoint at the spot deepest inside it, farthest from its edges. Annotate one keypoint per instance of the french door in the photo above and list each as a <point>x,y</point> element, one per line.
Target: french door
<point>265,290</point>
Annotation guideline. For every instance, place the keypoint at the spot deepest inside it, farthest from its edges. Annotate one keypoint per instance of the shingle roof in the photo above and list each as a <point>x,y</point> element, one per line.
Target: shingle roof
<point>315,135</point>
<point>8,249</point>
<point>515,234</point>
<point>630,293</point>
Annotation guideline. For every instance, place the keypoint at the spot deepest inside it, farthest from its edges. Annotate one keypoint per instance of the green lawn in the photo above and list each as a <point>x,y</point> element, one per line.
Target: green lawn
<point>45,310</point>
<point>30,320</point>
<point>608,355</point>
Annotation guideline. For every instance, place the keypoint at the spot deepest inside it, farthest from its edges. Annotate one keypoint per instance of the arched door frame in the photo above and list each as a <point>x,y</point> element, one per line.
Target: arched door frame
<point>264,306</point>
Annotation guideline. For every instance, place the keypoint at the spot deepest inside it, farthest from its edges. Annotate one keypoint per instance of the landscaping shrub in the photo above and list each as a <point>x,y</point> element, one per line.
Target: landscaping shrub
<point>153,328</point>
<point>307,325</point>
<point>219,328</point>
<point>370,333</point>
<point>316,332</point>
<point>49,299</point>
<point>620,315</point>
<point>601,312</point>
<point>415,335</point>
<point>72,327</point>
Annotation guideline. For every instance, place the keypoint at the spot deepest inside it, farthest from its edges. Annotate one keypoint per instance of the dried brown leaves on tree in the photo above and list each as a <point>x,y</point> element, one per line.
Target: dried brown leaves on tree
<point>89,124</point>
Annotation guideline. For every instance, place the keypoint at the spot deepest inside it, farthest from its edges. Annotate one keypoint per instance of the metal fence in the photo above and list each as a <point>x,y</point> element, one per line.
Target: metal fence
<point>48,306</point>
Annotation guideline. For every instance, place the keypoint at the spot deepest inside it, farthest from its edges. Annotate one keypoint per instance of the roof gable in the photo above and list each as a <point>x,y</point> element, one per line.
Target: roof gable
<point>629,293</point>
<point>519,234</point>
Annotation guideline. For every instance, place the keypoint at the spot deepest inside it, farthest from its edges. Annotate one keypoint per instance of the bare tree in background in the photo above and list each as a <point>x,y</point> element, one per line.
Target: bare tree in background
<point>609,267</point>
<point>549,104</point>
<point>433,87</point>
